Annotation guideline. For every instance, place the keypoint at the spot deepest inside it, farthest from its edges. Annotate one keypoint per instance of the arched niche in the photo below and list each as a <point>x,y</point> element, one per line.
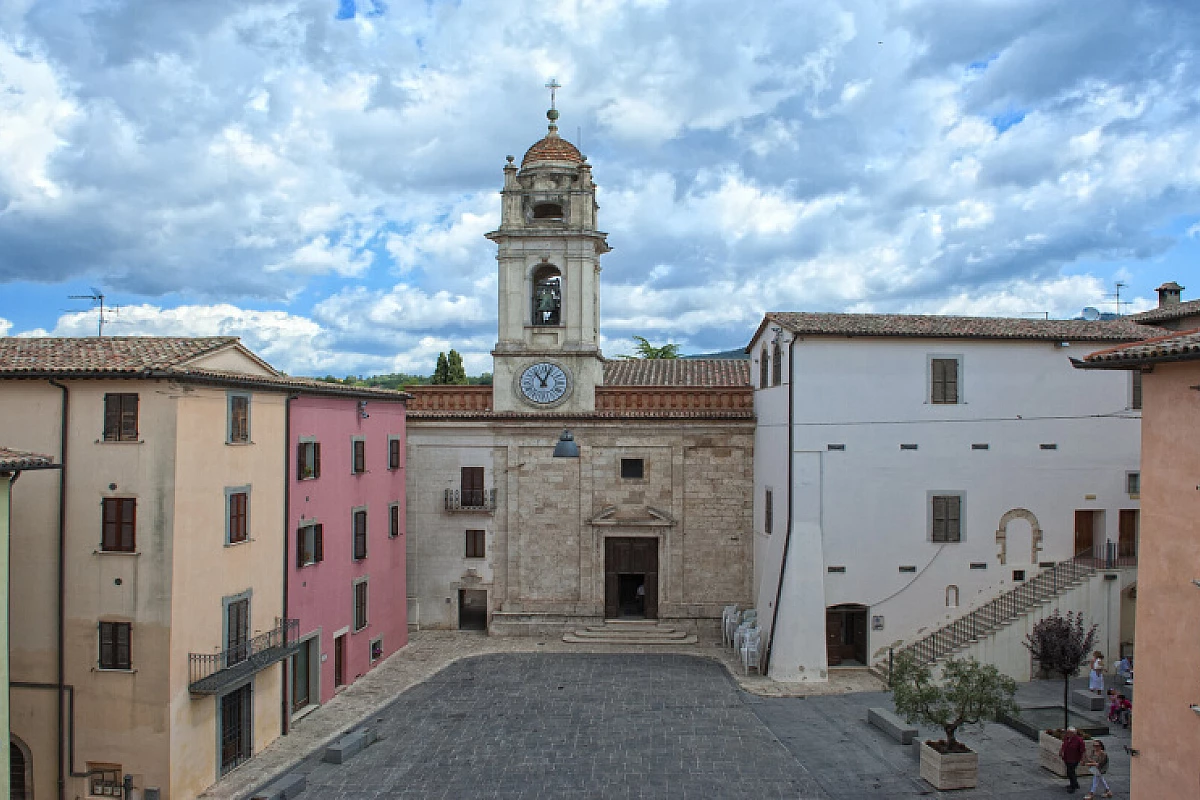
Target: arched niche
<point>1035,538</point>
<point>547,295</point>
<point>952,596</point>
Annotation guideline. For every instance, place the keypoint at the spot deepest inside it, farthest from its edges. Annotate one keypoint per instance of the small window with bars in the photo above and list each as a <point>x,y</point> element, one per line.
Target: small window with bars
<point>769,510</point>
<point>476,544</point>
<point>115,651</point>
<point>360,605</point>
<point>239,419</point>
<point>360,534</point>
<point>120,417</point>
<point>946,518</point>
<point>1133,484</point>
<point>944,381</point>
<point>119,529</point>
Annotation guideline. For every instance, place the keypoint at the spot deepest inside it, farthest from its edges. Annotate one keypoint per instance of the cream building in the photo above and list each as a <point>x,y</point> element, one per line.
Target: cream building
<point>652,519</point>
<point>148,607</point>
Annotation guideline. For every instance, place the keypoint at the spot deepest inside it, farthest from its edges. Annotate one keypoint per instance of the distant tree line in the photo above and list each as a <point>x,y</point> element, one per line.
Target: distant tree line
<point>449,371</point>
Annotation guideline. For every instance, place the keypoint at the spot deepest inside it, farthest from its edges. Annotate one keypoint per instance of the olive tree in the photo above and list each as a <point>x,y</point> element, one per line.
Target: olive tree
<point>969,693</point>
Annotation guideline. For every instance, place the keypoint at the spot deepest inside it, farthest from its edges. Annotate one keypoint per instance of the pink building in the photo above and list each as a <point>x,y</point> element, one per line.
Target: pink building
<point>345,550</point>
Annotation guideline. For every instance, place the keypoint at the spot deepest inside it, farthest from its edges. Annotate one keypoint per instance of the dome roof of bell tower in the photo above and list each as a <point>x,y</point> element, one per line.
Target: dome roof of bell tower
<point>552,148</point>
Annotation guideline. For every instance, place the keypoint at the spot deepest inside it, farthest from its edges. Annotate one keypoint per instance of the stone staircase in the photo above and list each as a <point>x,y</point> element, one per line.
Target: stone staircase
<point>996,613</point>
<point>630,632</point>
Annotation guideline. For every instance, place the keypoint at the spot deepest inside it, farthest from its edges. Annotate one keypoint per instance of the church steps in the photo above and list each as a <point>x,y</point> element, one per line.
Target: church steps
<point>630,632</point>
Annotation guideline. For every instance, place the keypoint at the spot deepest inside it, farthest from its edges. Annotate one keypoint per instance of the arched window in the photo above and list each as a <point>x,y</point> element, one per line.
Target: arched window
<point>547,295</point>
<point>776,364</point>
<point>20,770</point>
<point>952,596</point>
<point>764,370</point>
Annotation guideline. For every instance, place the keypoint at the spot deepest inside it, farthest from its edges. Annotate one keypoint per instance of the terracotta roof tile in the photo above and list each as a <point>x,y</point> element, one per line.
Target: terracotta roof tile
<point>552,148</point>
<point>103,355</point>
<point>13,460</point>
<point>1164,313</point>
<point>1183,346</point>
<point>945,327</point>
<point>677,372</point>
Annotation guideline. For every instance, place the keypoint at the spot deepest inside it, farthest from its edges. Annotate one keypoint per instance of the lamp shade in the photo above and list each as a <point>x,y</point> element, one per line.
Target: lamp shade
<point>566,447</point>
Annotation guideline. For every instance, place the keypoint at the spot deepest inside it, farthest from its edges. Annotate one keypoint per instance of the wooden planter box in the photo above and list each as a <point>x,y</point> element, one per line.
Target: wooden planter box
<point>949,770</point>
<point>1048,757</point>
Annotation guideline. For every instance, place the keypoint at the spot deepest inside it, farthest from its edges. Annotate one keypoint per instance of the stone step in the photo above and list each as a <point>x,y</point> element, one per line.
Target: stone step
<point>630,638</point>
<point>659,626</point>
<point>632,623</point>
<point>668,633</point>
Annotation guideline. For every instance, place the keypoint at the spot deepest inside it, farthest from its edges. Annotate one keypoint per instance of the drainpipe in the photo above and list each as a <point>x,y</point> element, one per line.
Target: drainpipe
<point>286,714</point>
<point>787,536</point>
<point>62,552</point>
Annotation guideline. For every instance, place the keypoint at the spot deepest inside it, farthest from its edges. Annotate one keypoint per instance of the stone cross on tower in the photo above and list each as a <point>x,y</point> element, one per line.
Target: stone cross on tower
<point>552,86</point>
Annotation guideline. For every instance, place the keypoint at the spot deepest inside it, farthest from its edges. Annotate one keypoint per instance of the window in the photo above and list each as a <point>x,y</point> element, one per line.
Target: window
<point>776,363</point>
<point>114,645</point>
<point>943,380</point>
<point>310,544</point>
<point>360,534</point>
<point>237,526</point>
<point>1135,399</point>
<point>377,649</point>
<point>394,520</point>
<point>946,518</point>
<point>633,468</point>
<point>1133,484</point>
<point>120,417</point>
<point>358,463</point>
<point>105,780</point>
<point>548,211</point>
<point>769,511</point>
<point>764,370</point>
<point>308,460</point>
<point>547,296</point>
<point>120,525</point>
<point>394,445</point>
<point>239,418</point>
<point>237,630</point>
<point>476,544</point>
<point>472,487</point>
<point>360,604</point>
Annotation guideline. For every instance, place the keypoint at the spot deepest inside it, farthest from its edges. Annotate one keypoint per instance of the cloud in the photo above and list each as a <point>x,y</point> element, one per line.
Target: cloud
<point>5,326</point>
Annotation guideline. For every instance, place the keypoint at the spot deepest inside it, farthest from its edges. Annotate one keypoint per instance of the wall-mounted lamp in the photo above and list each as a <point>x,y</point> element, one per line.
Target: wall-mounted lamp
<point>1195,708</point>
<point>566,447</point>
<point>362,409</point>
<point>1196,581</point>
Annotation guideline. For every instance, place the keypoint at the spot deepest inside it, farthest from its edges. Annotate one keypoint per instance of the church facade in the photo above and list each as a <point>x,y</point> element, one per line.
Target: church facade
<point>650,513</point>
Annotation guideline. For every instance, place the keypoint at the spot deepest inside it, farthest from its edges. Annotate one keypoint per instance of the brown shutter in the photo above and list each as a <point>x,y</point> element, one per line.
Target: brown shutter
<point>317,460</point>
<point>300,547</point>
<point>395,521</point>
<point>109,525</point>
<point>129,417</point>
<point>129,524</point>
<point>123,660</point>
<point>939,519</point>
<point>300,461</point>
<point>319,543</point>
<point>953,519</point>
<point>112,417</point>
<point>1136,400</point>
<point>951,380</point>
<point>106,645</point>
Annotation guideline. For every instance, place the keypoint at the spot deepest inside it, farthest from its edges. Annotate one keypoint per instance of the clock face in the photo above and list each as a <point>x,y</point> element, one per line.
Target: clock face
<point>544,383</point>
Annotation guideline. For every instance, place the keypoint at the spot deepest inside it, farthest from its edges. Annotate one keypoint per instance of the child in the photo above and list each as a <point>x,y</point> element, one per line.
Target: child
<point>1124,710</point>
<point>1098,763</point>
<point>1114,706</point>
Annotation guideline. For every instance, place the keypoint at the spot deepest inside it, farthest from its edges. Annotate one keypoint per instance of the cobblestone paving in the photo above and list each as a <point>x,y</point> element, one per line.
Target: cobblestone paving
<point>570,726</point>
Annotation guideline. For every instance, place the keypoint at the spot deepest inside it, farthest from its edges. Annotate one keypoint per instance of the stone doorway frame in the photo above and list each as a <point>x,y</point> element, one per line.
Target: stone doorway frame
<point>1035,537</point>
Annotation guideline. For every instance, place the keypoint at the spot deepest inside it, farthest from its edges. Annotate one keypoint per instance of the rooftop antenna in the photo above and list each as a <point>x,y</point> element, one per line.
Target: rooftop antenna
<point>1116,295</point>
<point>97,298</point>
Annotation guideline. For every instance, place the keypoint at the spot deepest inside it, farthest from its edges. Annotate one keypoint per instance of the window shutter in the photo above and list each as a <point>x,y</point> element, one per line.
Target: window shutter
<point>112,417</point>
<point>109,526</point>
<point>953,529</point>
<point>106,644</point>
<point>122,646</point>
<point>129,417</point>
<point>317,460</point>
<point>1136,399</point>
<point>128,523</point>
<point>300,465</point>
<point>300,535</point>
<point>319,542</point>
<point>939,519</point>
<point>951,382</point>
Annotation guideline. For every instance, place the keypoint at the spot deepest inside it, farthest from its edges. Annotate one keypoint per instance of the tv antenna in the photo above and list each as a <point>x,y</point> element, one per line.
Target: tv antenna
<point>97,298</point>
<point>1116,296</point>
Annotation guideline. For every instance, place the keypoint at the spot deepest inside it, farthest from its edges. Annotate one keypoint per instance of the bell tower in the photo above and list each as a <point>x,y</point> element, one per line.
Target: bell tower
<point>548,353</point>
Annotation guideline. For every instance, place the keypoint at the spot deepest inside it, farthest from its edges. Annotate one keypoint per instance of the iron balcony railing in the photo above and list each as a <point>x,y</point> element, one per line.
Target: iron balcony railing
<point>212,673</point>
<point>471,500</point>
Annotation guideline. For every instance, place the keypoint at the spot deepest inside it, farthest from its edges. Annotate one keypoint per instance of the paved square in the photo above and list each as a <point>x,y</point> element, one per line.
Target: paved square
<point>569,726</point>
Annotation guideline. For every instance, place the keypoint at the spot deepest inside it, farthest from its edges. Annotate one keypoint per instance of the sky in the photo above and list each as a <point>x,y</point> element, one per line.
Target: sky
<point>316,176</point>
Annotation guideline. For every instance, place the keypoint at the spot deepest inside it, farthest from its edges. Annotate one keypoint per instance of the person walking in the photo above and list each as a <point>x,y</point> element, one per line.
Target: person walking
<point>1097,764</point>
<point>1096,677</point>
<point>1072,752</point>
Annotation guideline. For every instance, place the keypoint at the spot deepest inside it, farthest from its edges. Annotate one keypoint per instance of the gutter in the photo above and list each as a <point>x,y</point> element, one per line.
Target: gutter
<point>286,713</point>
<point>787,540</point>
<point>62,552</point>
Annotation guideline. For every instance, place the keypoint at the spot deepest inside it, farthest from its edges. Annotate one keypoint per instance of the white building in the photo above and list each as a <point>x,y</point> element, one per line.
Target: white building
<point>935,464</point>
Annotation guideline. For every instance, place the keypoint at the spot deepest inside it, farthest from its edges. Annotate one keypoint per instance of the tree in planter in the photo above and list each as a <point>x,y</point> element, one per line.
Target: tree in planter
<point>1062,644</point>
<point>969,693</point>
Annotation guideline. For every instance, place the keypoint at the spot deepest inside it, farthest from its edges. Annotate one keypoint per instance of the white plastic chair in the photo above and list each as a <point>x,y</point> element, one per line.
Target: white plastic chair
<point>728,618</point>
<point>750,649</point>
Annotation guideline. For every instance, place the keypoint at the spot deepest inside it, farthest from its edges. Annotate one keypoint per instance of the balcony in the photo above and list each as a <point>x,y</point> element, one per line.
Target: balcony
<point>468,500</point>
<point>216,672</point>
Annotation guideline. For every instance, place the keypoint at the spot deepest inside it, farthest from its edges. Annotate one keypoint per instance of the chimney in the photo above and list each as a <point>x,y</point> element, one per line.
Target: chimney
<point>1168,294</point>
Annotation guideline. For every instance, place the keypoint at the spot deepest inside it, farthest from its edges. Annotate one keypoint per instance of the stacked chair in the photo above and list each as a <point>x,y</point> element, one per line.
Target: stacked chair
<point>740,630</point>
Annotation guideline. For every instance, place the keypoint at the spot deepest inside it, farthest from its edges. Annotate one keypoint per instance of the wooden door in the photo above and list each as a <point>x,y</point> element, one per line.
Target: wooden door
<point>339,661</point>
<point>630,556</point>
<point>1085,525</point>
<point>1127,533</point>
<point>833,636</point>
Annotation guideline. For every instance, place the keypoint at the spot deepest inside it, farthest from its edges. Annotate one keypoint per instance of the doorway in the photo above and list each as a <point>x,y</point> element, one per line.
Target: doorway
<point>237,728</point>
<point>1089,531</point>
<point>846,635</point>
<point>20,765</point>
<point>472,609</point>
<point>631,577</point>
<point>339,661</point>
<point>305,671</point>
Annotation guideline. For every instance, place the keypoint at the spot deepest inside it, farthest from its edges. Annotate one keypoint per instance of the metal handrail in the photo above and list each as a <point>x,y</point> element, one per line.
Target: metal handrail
<point>207,670</point>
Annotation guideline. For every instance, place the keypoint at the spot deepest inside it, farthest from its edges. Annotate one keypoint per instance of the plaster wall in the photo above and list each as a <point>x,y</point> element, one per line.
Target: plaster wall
<point>205,569</point>
<point>866,398</point>
<point>321,595</point>
<point>1166,731</point>
<point>5,495</point>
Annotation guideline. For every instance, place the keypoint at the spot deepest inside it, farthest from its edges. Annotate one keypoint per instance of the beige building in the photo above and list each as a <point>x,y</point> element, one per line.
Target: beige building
<point>1166,720</point>
<point>651,519</point>
<point>147,588</point>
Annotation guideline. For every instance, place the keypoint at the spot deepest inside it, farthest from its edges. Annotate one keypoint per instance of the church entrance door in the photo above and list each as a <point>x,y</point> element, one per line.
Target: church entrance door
<point>631,578</point>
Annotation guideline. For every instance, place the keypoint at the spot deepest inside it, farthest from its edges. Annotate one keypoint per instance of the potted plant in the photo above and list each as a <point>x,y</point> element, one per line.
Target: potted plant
<point>969,693</point>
